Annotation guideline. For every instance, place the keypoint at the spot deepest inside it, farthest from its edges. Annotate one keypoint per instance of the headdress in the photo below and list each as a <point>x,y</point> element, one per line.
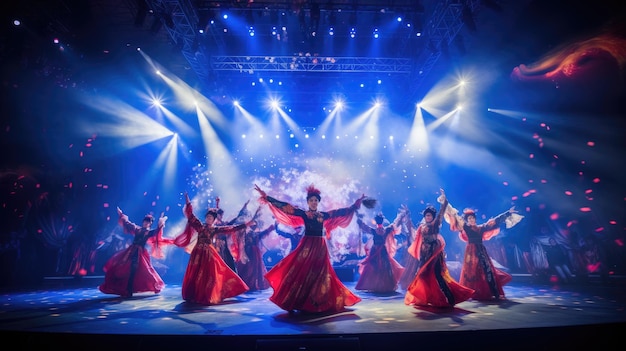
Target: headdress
<point>212,211</point>
<point>468,212</point>
<point>149,218</point>
<point>429,209</point>
<point>379,218</point>
<point>311,191</point>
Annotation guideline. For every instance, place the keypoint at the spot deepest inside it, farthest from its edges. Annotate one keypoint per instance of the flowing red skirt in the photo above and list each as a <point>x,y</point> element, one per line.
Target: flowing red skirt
<point>208,280</point>
<point>379,272</point>
<point>253,272</point>
<point>305,280</point>
<point>117,273</point>
<point>473,274</point>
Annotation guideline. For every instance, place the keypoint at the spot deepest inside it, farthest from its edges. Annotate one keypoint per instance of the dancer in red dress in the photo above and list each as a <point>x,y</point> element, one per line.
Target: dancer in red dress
<point>250,266</point>
<point>478,271</point>
<point>379,271</point>
<point>410,263</point>
<point>433,285</point>
<point>305,280</point>
<point>208,280</point>
<point>130,270</point>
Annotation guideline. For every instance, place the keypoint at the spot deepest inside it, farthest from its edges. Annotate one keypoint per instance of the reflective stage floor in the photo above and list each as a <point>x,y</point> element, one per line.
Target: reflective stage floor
<point>76,315</point>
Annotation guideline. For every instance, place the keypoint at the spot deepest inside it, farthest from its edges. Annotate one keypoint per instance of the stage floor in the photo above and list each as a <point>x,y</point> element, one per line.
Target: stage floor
<point>538,316</point>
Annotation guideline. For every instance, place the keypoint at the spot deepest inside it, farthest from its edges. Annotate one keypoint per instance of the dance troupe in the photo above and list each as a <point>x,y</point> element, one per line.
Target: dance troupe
<point>305,280</point>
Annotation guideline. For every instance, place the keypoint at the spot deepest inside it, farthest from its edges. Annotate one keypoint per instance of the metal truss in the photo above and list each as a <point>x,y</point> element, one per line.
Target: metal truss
<point>445,23</point>
<point>250,64</point>
<point>180,19</point>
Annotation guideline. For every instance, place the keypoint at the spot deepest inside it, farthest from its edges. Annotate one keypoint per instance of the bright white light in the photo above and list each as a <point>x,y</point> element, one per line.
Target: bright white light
<point>399,19</point>
<point>236,102</point>
<point>338,104</point>
<point>16,22</point>
<point>380,81</point>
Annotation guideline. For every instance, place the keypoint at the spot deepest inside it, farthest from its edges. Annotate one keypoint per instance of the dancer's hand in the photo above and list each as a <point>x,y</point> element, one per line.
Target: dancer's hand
<point>263,194</point>
<point>162,220</point>
<point>357,203</point>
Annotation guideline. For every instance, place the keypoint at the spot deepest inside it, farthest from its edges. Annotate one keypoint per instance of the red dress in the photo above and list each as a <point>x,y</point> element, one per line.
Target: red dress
<point>433,285</point>
<point>208,280</point>
<point>305,280</point>
<point>379,271</point>
<point>251,267</point>
<point>130,270</point>
<point>478,271</point>
<point>410,263</point>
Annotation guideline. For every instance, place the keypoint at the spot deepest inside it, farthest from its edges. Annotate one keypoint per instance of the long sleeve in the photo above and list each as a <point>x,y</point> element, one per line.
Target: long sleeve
<point>284,212</point>
<point>128,226</point>
<point>340,217</point>
<point>193,225</point>
<point>442,209</point>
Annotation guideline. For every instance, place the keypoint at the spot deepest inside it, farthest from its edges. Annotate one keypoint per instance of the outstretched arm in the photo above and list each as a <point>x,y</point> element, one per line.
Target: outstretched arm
<point>444,204</point>
<point>240,215</point>
<point>364,227</point>
<point>162,220</point>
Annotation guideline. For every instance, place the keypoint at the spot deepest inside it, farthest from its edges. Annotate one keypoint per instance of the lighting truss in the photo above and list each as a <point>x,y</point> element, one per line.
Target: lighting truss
<point>179,19</point>
<point>442,27</point>
<point>250,64</point>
